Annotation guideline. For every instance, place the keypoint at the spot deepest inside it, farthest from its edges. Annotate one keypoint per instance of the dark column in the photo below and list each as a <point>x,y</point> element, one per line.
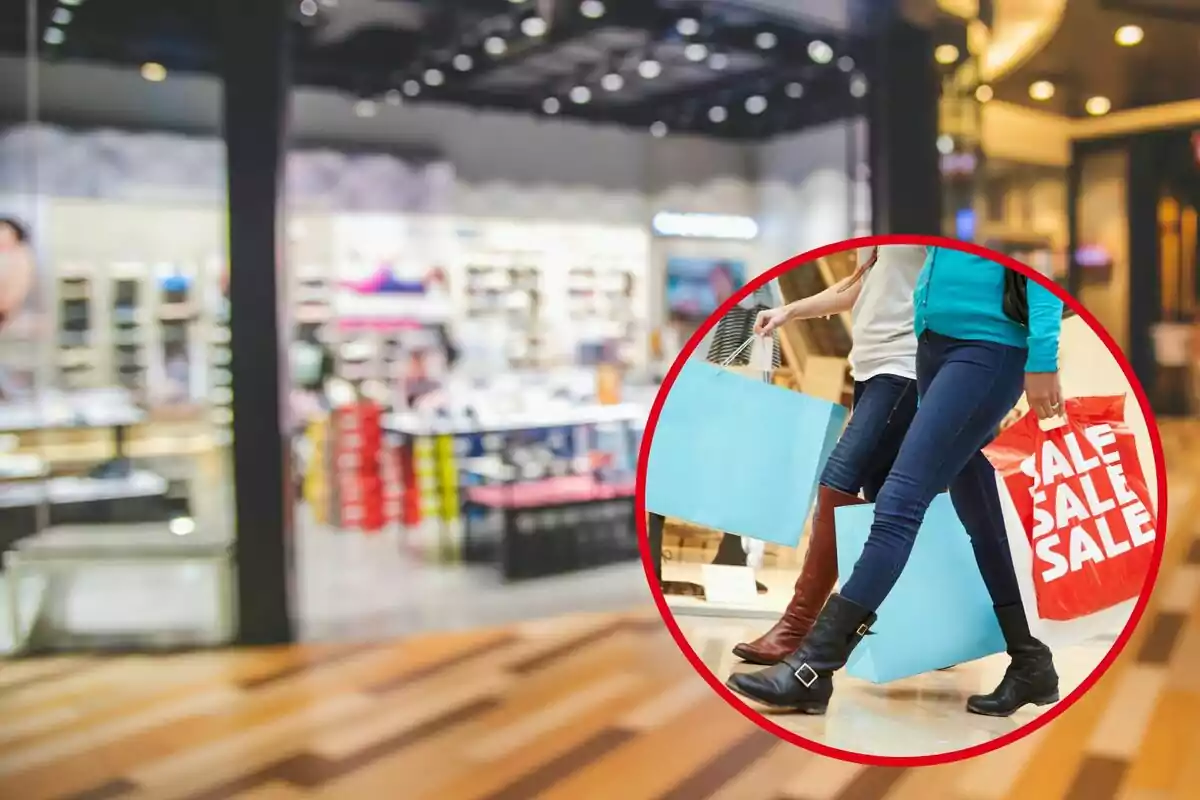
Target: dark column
<point>1074,184</point>
<point>256,87</point>
<point>1145,299</point>
<point>906,187</point>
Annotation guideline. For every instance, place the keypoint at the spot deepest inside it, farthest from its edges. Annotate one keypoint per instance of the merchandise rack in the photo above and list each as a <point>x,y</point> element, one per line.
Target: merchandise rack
<point>485,486</point>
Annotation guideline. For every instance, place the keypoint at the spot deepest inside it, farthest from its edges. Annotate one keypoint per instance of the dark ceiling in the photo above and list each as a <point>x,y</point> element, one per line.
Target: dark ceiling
<point>713,67</point>
<point>1083,60</point>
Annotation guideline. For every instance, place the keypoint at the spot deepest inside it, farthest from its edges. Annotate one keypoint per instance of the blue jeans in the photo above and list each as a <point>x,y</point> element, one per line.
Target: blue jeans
<point>883,409</point>
<point>965,389</point>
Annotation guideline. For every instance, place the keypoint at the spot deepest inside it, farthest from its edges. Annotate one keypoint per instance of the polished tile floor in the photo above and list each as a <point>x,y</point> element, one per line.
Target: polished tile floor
<point>918,716</point>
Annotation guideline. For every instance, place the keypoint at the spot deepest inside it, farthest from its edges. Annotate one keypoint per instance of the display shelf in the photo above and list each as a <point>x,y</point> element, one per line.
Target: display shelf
<point>95,408</point>
<point>566,416</point>
<point>77,360</point>
<point>555,286</point>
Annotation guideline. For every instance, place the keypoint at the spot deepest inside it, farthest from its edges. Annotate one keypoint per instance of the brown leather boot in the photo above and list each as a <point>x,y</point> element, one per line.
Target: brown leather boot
<point>818,574</point>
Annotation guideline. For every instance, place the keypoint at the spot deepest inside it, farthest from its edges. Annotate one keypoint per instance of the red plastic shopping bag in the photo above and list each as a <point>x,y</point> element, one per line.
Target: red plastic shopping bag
<point>1082,498</point>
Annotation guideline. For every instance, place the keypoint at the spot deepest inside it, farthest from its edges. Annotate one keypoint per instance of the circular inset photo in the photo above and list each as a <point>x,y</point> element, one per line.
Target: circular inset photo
<point>907,511</point>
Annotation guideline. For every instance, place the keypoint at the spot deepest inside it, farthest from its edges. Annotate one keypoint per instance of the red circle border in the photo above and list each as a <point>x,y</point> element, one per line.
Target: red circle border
<point>933,759</point>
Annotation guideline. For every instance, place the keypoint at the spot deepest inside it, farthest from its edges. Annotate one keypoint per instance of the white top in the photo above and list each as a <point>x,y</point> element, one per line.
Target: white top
<point>884,342</point>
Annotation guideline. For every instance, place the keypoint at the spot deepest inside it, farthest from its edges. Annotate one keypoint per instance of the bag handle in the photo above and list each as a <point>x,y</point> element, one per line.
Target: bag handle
<point>740,350</point>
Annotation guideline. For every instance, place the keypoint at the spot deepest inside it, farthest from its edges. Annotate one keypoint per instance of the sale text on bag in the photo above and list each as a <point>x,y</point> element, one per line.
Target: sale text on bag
<point>1084,511</point>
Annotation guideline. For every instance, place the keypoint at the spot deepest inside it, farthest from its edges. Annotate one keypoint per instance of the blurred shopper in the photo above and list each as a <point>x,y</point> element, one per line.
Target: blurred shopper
<point>883,364</point>
<point>983,336</point>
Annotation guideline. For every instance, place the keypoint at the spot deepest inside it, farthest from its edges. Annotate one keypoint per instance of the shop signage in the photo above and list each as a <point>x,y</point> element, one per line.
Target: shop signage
<point>704,226</point>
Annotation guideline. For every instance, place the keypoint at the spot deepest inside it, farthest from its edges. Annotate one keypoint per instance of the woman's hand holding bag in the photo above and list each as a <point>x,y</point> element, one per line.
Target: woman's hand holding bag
<point>1043,390</point>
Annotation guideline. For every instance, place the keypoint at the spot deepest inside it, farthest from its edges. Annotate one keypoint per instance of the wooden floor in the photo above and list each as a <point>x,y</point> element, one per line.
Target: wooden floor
<point>587,707</point>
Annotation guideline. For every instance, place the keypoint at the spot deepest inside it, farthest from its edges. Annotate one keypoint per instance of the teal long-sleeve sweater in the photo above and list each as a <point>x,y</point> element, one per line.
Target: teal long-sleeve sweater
<point>961,295</point>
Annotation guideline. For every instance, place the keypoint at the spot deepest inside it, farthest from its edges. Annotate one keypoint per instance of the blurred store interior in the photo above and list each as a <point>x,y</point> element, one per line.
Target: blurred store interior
<point>347,314</point>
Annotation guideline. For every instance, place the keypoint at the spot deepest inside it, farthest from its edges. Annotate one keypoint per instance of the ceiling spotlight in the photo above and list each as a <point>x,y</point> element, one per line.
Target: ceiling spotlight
<point>494,46</point>
<point>794,90</point>
<point>154,72</point>
<point>62,16</point>
<point>718,114</point>
<point>70,2</point>
<point>718,61</point>
<point>756,104</point>
<point>53,36</point>
<point>1098,106</point>
<point>612,82</point>
<point>766,40</point>
<point>858,86</point>
<point>945,144</point>
<point>309,8</point>
<point>365,108</point>
<point>1129,35</point>
<point>533,27</point>
<point>463,62</point>
<point>434,77</point>
<point>592,9</point>
<point>649,69</point>
<point>392,97</point>
<point>820,52</point>
<point>580,94</point>
<point>945,54</point>
<point>658,129</point>
<point>695,52</point>
<point>551,105</point>
<point>411,88</point>
<point>845,63</point>
<point>984,93</point>
<point>1041,90</point>
<point>687,26</point>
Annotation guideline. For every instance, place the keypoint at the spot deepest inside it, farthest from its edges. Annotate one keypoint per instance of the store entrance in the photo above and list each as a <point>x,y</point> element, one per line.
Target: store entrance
<point>1176,339</point>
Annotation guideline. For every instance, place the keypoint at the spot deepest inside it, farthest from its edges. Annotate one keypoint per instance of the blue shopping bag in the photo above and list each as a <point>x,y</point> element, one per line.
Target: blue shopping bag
<point>939,613</point>
<point>739,455</point>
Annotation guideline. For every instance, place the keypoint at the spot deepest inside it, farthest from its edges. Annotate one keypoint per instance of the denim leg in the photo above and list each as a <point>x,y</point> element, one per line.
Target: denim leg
<point>967,388</point>
<point>888,445</point>
<point>883,409</point>
<point>976,499</point>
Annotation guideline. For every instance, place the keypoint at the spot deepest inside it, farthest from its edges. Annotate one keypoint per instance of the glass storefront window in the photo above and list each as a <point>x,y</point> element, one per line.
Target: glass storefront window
<point>115,488</point>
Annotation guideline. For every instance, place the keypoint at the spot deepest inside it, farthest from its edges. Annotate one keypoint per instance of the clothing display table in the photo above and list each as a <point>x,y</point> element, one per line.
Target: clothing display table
<point>484,480</point>
<point>113,491</point>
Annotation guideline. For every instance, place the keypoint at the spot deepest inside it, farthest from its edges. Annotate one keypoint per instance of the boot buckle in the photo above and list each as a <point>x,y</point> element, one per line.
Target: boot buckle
<point>806,678</point>
<point>863,630</point>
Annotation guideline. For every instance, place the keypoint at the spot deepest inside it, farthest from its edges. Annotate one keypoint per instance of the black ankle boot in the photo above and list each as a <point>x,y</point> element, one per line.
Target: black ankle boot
<point>803,681</point>
<point>1030,677</point>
